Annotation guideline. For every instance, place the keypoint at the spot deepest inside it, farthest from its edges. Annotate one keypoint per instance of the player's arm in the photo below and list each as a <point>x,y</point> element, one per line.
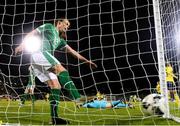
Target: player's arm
<point>174,76</point>
<point>21,47</point>
<point>80,57</point>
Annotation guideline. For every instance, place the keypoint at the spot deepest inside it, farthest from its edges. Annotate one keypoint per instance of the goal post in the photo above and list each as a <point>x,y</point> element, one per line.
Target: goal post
<point>166,18</point>
<point>160,54</point>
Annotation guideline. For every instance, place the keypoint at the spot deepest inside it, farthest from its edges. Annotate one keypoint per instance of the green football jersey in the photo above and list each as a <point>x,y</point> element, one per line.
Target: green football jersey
<point>50,37</point>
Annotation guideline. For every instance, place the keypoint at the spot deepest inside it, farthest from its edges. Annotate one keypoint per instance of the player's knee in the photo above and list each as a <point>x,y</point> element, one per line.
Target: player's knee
<point>54,84</point>
<point>57,69</point>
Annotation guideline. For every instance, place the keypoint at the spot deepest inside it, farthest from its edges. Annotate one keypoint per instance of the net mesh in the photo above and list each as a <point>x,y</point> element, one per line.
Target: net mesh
<point>118,35</point>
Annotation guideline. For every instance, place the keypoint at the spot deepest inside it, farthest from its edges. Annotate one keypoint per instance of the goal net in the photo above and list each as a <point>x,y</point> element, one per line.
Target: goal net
<point>169,14</point>
<point>118,35</point>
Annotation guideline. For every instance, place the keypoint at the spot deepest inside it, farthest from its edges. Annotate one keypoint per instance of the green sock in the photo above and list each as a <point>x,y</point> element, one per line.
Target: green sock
<point>68,84</point>
<point>54,99</point>
<point>32,98</point>
<point>23,98</point>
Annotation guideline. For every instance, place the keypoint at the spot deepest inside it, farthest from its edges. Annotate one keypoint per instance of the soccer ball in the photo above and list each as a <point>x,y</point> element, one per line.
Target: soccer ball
<point>154,104</point>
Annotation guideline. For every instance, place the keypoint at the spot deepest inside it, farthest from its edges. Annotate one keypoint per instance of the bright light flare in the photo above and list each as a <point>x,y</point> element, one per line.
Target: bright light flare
<point>32,43</point>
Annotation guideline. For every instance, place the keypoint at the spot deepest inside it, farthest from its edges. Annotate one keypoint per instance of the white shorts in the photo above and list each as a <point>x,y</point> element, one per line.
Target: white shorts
<point>41,62</point>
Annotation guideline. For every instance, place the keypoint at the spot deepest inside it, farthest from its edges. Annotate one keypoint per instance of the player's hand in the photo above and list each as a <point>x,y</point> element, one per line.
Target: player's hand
<point>18,50</point>
<point>91,64</point>
<point>175,77</point>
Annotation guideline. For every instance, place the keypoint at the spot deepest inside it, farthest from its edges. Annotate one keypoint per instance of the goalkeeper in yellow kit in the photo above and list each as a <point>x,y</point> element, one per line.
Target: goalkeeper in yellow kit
<point>171,84</point>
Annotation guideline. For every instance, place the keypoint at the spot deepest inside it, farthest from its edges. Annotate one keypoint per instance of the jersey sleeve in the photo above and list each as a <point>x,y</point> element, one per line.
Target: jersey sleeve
<point>63,43</point>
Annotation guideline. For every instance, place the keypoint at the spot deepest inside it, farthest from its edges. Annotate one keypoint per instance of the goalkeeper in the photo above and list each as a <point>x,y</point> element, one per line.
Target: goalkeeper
<point>29,88</point>
<point>171,84</point>
<point>102,104</point>
<point>47,68</point>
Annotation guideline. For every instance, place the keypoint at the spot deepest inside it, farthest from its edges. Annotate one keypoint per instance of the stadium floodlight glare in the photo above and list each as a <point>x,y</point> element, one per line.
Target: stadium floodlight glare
<point>32,44</point>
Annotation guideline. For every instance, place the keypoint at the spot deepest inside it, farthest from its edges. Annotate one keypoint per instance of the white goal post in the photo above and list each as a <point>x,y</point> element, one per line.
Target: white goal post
<point>166,17</point>
<point>160,54</point>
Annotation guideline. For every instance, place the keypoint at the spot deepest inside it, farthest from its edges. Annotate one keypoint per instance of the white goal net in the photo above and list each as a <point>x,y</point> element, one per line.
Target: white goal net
<point>169,14</point>
<point>118,35</point>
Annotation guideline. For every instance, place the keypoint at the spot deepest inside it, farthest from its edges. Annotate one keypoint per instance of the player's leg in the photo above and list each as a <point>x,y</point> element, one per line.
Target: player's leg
<point>68,84</point>
<point>170,86</point>
<point>114,103</point>
<point>63,75</point>
<point>32,98</point>
<point>54,97</point>
<point>31,93</point>
<point>24,96</point>
<point>97,104</point>
<point>40,68</point>
<point>176,96</point>
<point>66,81</point>
<point>121,105</point>
<point>177,100</point>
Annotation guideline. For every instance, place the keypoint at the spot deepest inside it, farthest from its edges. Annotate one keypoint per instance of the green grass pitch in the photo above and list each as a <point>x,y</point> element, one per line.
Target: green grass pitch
<point>11,113</point>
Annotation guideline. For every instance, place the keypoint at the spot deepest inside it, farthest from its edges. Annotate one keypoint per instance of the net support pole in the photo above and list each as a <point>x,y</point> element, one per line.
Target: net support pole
<point>160,55</point>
